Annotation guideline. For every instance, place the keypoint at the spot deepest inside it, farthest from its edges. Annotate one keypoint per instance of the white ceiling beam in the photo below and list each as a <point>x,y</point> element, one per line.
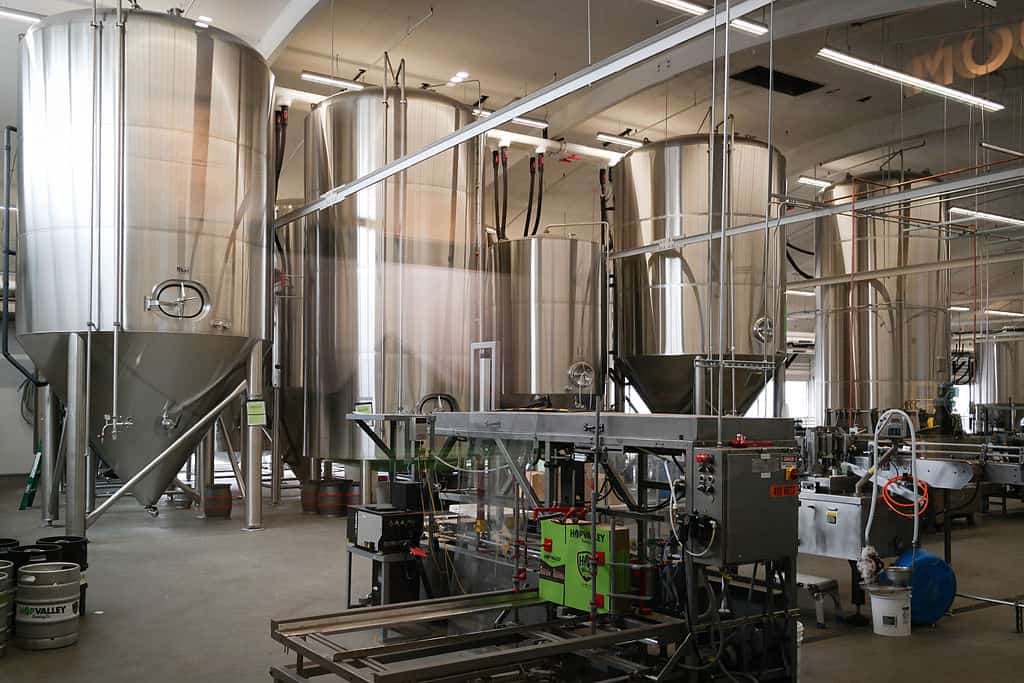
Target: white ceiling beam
<point>802,17</point>
<point>291,15</point>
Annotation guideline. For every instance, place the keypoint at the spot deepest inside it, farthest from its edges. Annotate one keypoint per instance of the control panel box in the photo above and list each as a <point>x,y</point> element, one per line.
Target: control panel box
<point>745,500</point>
<point>383,528</point>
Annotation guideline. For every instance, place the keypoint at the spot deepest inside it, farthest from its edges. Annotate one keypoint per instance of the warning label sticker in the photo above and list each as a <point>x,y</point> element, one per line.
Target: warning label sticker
<point>784,491</point>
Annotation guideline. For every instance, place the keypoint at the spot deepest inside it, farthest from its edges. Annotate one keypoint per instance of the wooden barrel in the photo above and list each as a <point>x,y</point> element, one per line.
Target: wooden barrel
<point>218,501</point>
<point>310,491</point>
<point>335,496</point>
<point>47,605</point>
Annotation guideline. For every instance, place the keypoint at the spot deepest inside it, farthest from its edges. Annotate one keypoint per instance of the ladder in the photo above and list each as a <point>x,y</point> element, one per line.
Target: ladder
<point>31,484</point>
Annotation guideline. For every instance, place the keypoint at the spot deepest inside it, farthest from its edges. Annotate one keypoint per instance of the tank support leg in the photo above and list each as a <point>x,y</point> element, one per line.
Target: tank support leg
<point>77,436</point>
<point>48,456</point>
<point>254,443</point>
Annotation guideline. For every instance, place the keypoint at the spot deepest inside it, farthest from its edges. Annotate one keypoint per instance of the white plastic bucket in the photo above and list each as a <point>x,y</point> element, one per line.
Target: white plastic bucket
<point>890,611</point>
<point>799,645</point>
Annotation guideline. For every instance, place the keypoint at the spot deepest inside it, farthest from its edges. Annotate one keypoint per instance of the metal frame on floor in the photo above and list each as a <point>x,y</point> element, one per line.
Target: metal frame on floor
<point>320,648</point>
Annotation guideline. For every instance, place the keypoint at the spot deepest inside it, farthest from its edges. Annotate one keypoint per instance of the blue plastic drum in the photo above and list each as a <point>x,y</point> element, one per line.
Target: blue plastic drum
<point>933,586</point>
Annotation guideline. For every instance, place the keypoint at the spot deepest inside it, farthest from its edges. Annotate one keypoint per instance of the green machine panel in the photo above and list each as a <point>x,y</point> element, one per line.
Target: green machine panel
<point>565,569</point>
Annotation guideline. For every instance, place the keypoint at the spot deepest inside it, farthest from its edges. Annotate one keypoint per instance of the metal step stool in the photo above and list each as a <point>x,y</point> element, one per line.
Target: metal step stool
<point>819,587</point>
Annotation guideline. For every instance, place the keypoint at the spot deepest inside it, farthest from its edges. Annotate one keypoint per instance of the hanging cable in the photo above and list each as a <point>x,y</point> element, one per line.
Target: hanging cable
<point>504,191</point>
<point>797,268</point>
<point>495,161</point>
<point>529,199</point>
<point>540,191</point>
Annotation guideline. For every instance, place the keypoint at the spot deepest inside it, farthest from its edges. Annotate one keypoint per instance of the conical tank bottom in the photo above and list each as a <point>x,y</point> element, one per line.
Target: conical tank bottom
<point>167,383</point>
<point>665,383</point>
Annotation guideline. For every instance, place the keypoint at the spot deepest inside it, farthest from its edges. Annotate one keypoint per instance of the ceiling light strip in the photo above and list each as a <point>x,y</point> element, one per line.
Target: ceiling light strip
<point>696,10</point>
<point>906,79</point>
<point>620,140</point>
<point>620,61</point>
<point>521,120</point>
<point>972,215</point>
<point>814,182</point>
<point>21,15</point>
<point>325,79</point>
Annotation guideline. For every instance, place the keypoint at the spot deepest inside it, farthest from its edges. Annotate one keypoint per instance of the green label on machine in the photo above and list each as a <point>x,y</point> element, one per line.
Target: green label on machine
<point>566,571</point>
<point>256,413</point>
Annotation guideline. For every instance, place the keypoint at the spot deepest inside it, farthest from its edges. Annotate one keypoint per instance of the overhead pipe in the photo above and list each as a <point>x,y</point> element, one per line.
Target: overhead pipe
<point>166,453</point>
<point>8,252</point>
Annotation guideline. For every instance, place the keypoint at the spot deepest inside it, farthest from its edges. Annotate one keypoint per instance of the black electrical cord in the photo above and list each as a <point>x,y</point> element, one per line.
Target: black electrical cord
<point>504,190</point>
<point>495,157</point>
<point>540,191</point>
<point>800,249</point>
<point>529,200</point>
<point>792,262</point>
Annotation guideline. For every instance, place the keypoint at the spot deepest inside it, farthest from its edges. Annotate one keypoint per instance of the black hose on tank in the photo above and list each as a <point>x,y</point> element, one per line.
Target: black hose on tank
<point>504,191</point>
<point>497,208</point>
<point>540,191</point>
<point>529,200</point>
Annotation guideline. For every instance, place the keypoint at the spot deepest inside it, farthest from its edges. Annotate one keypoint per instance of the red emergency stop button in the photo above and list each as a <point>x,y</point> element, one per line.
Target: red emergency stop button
<point>548,544</point>
<point>704,458</point>
<point>792,474</point>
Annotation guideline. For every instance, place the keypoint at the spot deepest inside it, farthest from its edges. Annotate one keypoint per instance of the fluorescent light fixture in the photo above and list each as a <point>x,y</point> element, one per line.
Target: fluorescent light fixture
<point>959,214</point>
<point>1008,314</point>
<point>814,182</point>
<point>697,10</point>
<point>20,15</point>
<point>456,79</point>
<point>532,123</point>
<point>202,24</point>
<point>288,95</point>
<point>324,79</point>
<point>204,19</point>
<point>1002,150</point>
<point>619,140</point>
<point>799,292</point>
<point>959,309</point>
<point>907,79</point>
<point>462,74</point>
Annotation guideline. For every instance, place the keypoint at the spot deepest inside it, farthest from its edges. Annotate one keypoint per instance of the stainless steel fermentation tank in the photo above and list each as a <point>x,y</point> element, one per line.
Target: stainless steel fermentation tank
<point>1000,358</point>
<point>394,290</point>
<point>190,288</point>
<point>668,301</point>
<point>881,343</point>
<point>998,393</point>
<point>546,317</point>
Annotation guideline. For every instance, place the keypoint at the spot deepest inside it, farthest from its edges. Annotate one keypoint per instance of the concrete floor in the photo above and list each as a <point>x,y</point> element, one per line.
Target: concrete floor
<point>178,598</point>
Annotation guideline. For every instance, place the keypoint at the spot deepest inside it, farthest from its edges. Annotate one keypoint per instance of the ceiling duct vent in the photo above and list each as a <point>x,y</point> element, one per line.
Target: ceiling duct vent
<point>784,83</point>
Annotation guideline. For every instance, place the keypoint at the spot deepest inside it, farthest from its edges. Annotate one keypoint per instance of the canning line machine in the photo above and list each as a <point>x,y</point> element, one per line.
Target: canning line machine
<point>571,546</point>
